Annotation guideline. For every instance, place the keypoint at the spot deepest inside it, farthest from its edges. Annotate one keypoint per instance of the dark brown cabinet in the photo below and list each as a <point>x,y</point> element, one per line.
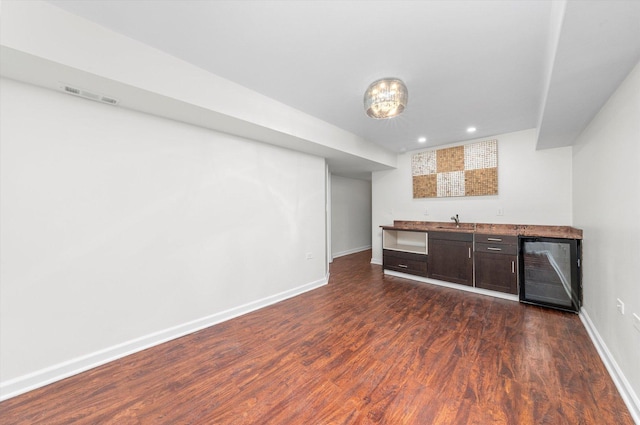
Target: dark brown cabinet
<point>450,257</point>
<point>478,255</point>
<point>405,251</point>
<point>496,261</point>
<point>405,262</point>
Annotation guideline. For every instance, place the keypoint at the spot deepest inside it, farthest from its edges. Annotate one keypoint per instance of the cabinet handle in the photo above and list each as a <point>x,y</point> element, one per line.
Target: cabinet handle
<point>490,248</point>
<point>403,266</point>
<point>469,252</point>
<point>513,267</point>
<point>495,239</point>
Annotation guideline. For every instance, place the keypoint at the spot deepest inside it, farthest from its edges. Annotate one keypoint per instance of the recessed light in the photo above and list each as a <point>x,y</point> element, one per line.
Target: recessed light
<point>471,130</point>
<point>422,139</point>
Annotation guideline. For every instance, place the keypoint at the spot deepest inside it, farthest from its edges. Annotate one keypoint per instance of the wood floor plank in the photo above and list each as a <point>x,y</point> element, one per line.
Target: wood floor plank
<point>365,349</point>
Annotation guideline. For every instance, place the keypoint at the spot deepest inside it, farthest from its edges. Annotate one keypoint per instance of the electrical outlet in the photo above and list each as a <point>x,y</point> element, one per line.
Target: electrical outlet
<point>620,306</point>
<point>500,211</point>
<point>309,255</point>
<point>636,322</point>
<point>426,211</point>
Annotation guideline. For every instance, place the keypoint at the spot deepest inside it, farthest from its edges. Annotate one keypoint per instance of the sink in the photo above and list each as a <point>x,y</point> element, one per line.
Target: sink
<point>444,226</point>
<point>452,227</point>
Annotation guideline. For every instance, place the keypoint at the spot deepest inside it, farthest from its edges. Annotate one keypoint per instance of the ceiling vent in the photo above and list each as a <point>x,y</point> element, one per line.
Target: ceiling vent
<point>87,94</point>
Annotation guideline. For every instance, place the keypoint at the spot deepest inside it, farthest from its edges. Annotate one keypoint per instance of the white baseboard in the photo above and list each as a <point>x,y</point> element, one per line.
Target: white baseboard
<point>466,288</point>
<point>350,251</point>
<point>40,378</point>
<point>624,388</point>
<point>376,261</point>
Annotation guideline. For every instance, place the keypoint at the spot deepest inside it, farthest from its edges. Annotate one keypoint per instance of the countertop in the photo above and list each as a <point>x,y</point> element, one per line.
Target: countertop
<point>566,232</point>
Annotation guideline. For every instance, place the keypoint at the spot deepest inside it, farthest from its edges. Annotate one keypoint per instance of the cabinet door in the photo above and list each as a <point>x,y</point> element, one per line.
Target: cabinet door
<point>450,260</point>
<point>496,272</point>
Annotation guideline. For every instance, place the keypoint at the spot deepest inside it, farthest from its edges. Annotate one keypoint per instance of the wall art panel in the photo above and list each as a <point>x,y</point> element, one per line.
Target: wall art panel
<point>469,170</point>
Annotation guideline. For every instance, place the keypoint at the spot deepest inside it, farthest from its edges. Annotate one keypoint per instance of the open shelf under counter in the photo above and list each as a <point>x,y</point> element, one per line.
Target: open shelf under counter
<point>415,242</point>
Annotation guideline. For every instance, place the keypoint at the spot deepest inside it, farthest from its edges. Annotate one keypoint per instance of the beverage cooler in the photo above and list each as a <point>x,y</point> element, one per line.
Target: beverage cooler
<point>550,272</point>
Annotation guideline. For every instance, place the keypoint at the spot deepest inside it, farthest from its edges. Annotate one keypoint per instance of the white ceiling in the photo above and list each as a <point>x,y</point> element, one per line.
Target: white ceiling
<point>489,64</point>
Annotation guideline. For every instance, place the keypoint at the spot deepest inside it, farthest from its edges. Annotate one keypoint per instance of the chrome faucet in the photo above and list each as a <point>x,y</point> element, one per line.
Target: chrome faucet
<point>456,219</point>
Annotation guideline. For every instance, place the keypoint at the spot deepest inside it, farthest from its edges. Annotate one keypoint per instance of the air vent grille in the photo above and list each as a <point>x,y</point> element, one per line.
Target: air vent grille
<point>88,94</point>
<point>72,90</point>
<point>109,100</point>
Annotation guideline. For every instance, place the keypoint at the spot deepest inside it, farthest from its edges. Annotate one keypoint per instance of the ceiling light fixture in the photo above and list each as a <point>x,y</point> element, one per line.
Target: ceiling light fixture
<point>471,130</point>
<point>385,98</point>
<point>422,139</point>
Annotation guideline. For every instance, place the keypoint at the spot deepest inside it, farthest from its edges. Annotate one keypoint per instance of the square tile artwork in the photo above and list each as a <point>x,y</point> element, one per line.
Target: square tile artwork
<point>469,170</point>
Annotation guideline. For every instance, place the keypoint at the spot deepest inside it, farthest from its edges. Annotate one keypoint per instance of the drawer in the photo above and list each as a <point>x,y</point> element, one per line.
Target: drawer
<point>405,262</point>
<point>497,239</point>
<point>404,255</point>
<point>496,248</point>
<point>451,236</point>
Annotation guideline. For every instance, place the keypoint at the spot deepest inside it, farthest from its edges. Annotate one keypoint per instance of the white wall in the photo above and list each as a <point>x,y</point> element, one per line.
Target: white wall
<point>534,187</point>
<point>44,45</point>
<point>350,215</point>
<point>606,196</point>
<point>120,229</point>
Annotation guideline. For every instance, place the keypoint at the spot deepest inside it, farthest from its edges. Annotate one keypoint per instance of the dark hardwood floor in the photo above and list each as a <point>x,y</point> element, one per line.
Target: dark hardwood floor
<point>364,349</point>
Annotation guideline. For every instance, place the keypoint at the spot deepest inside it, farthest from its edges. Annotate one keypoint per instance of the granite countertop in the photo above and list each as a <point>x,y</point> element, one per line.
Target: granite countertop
<point>567,232</point>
